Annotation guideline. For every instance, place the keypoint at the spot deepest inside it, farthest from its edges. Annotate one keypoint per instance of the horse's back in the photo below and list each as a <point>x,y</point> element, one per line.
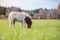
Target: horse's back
<point>19,15</point>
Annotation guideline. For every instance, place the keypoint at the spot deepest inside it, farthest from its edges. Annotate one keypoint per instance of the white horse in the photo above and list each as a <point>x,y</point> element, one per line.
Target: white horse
<point>22,17</point>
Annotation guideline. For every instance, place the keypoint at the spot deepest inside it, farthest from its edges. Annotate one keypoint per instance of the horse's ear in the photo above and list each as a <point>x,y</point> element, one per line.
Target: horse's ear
<point>28,22</point>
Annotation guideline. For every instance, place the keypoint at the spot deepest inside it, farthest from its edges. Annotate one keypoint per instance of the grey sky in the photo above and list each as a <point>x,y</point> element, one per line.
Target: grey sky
<point>30,4</point>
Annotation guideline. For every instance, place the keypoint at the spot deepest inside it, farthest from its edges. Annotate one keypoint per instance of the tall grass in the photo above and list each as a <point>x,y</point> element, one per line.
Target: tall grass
<point>41,30</point>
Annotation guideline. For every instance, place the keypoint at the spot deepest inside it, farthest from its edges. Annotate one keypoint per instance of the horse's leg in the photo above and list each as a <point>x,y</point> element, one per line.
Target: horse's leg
<point>13,22</point>
<point>24,24</point>
<point>10,22</point>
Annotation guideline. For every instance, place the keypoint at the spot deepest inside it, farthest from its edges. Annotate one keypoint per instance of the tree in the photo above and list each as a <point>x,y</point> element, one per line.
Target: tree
<point>2,10</point>
<point>36,10</point>
<point>58,9</point>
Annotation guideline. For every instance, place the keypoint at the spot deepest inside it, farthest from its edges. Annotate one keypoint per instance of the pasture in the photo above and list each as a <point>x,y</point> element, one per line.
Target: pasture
<point>41,30</point>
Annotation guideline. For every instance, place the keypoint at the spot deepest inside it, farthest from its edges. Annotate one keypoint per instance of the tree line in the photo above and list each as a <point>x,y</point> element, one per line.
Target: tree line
<point>36,13</point>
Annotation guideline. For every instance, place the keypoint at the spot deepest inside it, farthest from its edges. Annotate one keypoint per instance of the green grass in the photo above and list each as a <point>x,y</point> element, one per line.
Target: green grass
<point>41,30</point>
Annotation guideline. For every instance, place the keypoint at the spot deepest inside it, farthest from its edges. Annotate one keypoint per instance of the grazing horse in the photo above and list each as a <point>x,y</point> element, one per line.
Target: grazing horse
<point>22,17</point>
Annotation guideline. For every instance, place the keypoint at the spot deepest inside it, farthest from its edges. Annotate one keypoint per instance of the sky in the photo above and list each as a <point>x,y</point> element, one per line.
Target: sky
<point>30,4</point>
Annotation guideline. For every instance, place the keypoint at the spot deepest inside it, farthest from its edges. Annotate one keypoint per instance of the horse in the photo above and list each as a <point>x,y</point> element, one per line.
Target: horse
<point>22,17</point>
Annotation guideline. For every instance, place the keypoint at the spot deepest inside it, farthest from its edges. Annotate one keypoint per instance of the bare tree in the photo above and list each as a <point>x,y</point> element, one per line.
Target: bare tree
<point>58,9</point>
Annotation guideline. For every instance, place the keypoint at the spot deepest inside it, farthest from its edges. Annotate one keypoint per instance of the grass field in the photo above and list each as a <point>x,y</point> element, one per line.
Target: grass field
<point>41,30</point>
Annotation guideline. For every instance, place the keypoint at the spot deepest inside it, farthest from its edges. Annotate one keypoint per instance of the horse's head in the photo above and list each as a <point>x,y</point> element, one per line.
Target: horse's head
<point>28,22</point>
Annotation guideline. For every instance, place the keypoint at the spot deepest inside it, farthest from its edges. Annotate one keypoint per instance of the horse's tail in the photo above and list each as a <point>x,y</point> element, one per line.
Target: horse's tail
<point>28,21</point>
<point>9,18</point>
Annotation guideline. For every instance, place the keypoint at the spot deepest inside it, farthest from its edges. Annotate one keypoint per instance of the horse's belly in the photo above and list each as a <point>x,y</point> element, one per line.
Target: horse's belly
<point>19,19</point>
